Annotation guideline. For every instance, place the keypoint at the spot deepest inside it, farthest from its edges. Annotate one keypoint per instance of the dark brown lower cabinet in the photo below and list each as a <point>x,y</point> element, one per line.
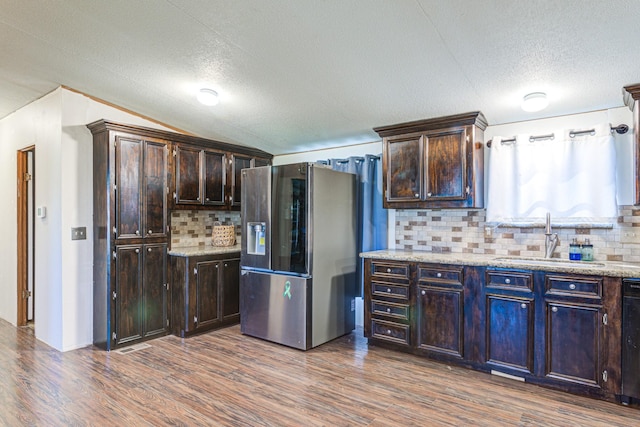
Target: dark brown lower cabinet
<point>140,296</point>
<point>553,329</point>
<point>440,310</point>
<point>205,292</point>
<point>509,321</point>
<point>573,344</point>
<point>510,333</point>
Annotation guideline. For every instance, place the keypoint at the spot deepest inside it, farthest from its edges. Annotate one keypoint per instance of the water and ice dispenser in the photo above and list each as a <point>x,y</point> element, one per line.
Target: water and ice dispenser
<point>256,244</point>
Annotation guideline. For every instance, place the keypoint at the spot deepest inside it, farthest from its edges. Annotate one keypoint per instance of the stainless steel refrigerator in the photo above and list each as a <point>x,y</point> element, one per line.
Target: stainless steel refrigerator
<point>299,255</point>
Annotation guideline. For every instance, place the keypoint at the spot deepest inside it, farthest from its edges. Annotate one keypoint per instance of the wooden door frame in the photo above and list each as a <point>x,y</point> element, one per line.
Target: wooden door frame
<point>23,234</point>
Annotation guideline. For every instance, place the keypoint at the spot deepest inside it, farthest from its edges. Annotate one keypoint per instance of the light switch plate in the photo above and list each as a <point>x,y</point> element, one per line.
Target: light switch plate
<point>79,233</point>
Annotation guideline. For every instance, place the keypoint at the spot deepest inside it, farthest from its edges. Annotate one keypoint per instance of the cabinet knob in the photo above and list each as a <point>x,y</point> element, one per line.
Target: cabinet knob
<point>149,232</point>
<point>148,249</point>
<point>439,275</point>
<point>523,305</point>
<point>388,310</point>
<point>428,194</point>
<point>217,265</point>
<point>388,331</point>
<point>417,195</point>
<point>554,309</point>
<point>572,286</point>
<point>226,265</point>
<point>207,199</point>
<point>388,270</point>
<point>137,232</point>
<point>507,281</point>
<point>137,251</point>
<point>388,290</point>
<point>423,292</point>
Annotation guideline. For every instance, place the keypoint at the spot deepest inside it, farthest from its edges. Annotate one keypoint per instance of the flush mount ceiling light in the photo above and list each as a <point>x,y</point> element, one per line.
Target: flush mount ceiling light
<point>208,96</point>
<point>535,102</point>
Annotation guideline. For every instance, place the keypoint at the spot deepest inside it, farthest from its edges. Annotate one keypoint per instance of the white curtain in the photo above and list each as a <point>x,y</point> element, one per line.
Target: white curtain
<point>572,178</point>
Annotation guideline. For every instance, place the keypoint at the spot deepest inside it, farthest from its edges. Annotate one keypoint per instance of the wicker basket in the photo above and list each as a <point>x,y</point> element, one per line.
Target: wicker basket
<point>223,235</point>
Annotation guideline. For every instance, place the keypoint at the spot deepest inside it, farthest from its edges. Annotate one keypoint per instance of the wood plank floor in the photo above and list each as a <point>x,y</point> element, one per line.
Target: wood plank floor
<point>225,378</point>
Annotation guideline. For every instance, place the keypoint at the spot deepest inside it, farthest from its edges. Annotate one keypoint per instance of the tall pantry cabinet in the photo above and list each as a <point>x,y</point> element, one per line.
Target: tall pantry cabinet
<point>131,172</point>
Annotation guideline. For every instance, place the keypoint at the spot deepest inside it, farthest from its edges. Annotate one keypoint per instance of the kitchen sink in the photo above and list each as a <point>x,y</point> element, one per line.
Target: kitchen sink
<point>551,262</point>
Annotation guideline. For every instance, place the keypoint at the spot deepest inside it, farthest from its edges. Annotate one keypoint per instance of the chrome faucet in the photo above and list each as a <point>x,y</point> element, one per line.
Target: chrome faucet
<point>551,239</point>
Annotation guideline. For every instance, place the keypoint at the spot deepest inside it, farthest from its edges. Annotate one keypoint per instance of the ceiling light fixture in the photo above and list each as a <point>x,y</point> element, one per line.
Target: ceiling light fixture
<point>208,96</point>
<point>535,102</point>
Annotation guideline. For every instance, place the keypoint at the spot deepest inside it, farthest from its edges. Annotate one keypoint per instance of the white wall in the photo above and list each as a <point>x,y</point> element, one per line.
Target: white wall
<point>56,125</point>
<point>36,124</point>
<point>328,153</point>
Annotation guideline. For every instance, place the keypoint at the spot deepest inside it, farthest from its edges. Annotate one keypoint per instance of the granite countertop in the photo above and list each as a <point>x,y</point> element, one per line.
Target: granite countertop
<point>204,250</point>
<point>596,267</point>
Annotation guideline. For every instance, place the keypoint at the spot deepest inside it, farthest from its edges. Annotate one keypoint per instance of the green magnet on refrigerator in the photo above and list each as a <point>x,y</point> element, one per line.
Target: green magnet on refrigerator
<point>287,289</point>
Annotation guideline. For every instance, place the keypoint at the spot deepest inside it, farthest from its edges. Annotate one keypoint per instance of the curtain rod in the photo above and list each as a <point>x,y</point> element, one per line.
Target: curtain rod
<point>620,129</point>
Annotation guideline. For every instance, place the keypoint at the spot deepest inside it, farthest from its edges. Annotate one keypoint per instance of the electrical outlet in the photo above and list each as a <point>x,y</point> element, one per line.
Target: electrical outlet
<point>79,233</point>
<point>488,232</point>
<point>629,237</point>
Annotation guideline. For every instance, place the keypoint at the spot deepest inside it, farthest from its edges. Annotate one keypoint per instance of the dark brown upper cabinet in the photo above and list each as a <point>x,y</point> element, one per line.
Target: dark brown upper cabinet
<point>632,99</point>
<point>200,176</point>
<point>434,163</point>
<point>140,188</point>
<point>209,178</point>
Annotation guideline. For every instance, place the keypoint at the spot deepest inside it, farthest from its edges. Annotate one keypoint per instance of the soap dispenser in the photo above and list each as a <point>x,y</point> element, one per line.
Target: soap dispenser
<point>587,251</point>
<point>575,254</point>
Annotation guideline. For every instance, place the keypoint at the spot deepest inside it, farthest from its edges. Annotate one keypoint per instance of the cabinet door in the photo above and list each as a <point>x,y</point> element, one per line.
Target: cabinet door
<point>188,189</point>
<point>510,329</point>
<point>446,166</point>
<point>440,320</point>
<point>230,288</point>
<point>573,343</point>
<point>128,294</point>
<point>155,189</point>
<point>404,169</point>
<point>154,292</point>
<point>238,163</point>
<point>207,293</point>
<point>128,161</point>
<point>214,178</point>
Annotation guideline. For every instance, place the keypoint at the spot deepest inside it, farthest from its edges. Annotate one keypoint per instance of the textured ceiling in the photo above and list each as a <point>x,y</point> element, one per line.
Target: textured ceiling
<point>305,74</point>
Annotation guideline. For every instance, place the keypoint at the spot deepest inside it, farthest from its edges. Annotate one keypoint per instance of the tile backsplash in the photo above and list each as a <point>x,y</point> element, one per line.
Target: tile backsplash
<point>193,228</point>
<point>463,231</point>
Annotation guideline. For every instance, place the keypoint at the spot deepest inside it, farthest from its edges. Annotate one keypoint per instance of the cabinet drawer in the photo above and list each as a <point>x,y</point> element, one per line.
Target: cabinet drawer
<point>577,286</point>
<point>390,270</point>
<point>440,274</point>
<point>390,331</point>
<point>509,280</point>
<point>382,308</point>
<point>390,290</point>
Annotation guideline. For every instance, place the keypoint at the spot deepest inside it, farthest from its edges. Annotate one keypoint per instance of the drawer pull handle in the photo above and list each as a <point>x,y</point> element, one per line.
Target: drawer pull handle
<point>554,309</point>
<point>439,275</point>
<point>423,292</point>
<point>388,290</point>
<point>572,286</point>
<point>388,270</point>
<point>507,281</point>
<point>523,305</point>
